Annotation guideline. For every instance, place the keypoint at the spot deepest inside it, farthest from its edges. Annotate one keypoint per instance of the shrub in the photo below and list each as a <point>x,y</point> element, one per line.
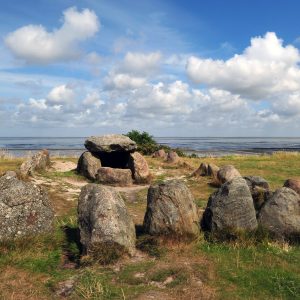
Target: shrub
<point>145,142</point>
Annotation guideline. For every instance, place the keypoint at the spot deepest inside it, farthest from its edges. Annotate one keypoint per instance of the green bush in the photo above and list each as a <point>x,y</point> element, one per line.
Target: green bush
<point>145,142</point>
<point>147,145</point>
<point>141,138</point>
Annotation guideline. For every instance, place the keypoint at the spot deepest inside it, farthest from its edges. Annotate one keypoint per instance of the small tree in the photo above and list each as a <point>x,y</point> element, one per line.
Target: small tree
<point>145,142</point>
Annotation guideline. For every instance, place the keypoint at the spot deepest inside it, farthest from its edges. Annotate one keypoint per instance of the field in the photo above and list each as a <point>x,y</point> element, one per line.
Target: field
<point>252,267</point>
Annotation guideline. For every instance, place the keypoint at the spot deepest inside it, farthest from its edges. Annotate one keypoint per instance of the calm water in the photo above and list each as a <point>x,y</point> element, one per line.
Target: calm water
<point>200,145</point>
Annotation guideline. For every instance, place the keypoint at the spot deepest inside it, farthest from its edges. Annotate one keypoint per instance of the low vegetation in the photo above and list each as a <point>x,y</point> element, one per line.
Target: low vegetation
<point>248,268</point>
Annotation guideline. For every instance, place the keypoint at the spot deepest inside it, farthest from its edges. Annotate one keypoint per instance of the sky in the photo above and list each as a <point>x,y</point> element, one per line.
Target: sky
<point>171,68</point>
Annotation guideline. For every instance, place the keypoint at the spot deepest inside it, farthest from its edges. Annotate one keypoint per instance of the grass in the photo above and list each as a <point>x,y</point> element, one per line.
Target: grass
<point>263,271</point>
<point>249,268</point>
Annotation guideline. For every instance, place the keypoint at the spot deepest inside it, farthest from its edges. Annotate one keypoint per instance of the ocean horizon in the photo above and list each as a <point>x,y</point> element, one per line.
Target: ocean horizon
<point>201,146</point>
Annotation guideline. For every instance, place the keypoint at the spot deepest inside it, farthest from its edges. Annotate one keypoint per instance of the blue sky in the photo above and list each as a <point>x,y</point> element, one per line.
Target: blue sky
<point>187,68</point>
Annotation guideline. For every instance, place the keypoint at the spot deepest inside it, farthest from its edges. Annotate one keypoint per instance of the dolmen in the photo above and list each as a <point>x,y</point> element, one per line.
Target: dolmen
<point>112,159</point>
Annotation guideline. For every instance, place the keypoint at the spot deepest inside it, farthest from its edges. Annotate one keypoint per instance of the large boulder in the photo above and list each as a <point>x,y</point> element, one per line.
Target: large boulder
<point>139,168</point>
<point>230,208</point>
<point>227,173</point>
<point>259,189</point>
<point>281,214</point>
<point>38,162</point>
<point>110,143</point>
<point>88,165</point>
<point>106,229</point>
<point>24,208</point>
<point>172,157</point>
<point>201,171</point>
<point>293,184</point>
<point>159,154</point>
<point>114,176</point>
<point>171,210</point>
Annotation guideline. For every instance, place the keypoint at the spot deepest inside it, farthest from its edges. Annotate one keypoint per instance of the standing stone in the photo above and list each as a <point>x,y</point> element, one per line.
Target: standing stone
<point>139,168</point>
<point>227,173</point>
<point>172,157</point>
<point>159,154</point>
<point>24,208</point>
<point>230,208</point>
<point>259,189</point>
<point>88,165</point>
<point>212,170</point>
<point>201,171</point>
<point>113,176</point>
<point>38,162</point>
<point>106,228</point>
<point>293,184</point>
<point>110,143</point>
<point>171,210</point>
<point>281,214</point>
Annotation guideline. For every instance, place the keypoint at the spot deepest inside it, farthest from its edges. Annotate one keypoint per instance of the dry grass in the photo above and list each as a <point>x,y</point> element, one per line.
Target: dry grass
<point>166,269</point>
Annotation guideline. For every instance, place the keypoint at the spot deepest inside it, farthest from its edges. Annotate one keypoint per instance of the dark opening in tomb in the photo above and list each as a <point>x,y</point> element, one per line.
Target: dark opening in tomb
<point>114,159</point>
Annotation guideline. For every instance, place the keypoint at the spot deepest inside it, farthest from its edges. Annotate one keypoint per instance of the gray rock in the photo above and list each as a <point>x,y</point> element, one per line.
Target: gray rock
<point>38,162</point>
<point>257,181</point>
<point>159,154</point>
<point>171,210</point>
<point>24,208</point>
<point>201,171</point>
<point>104,222</point>
<point>139,168</point>
<point>67,287</point>
<point>259,189</point>
<point>113,176</point>
<point>230,208</point>
<point>281,214</point>
<point>227,173</point>
<point>110,143</point>
<point>172,157</point>
<point>293,184</point>
<point>88,165</point>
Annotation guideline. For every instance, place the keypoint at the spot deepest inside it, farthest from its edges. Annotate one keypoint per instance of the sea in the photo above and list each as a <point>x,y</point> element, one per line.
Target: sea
<point>201,146</point>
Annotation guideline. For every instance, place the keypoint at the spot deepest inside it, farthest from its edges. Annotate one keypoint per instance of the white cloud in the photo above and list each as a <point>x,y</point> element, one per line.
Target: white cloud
<point>133,71</point>
<point>61,94</point>
<point>35,45</point>
<point>141,63</point>
<point>123,81</point>
<point>93,99</point>
<point>38,104</point>
<point>265,68</point>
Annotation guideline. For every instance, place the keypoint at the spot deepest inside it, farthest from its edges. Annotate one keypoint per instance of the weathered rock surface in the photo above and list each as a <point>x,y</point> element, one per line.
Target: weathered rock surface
<point>172,157</point>
<point>254,181</point>
<point>88,165</point>
<point>230,208</point>
<point>110,143</point>
<point>293,184</point>
<point>212,170</point>
<point>259,189</point>
<point>38,162</point>
<point>24,208</point>
<point>104,222</point>
<point>281,214</point>
<point>171,210</point>
<point>201,171</point>
<point>139,168</point>
<point>114,176</point>
<point>159,154</point>
<point>227,173</point>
